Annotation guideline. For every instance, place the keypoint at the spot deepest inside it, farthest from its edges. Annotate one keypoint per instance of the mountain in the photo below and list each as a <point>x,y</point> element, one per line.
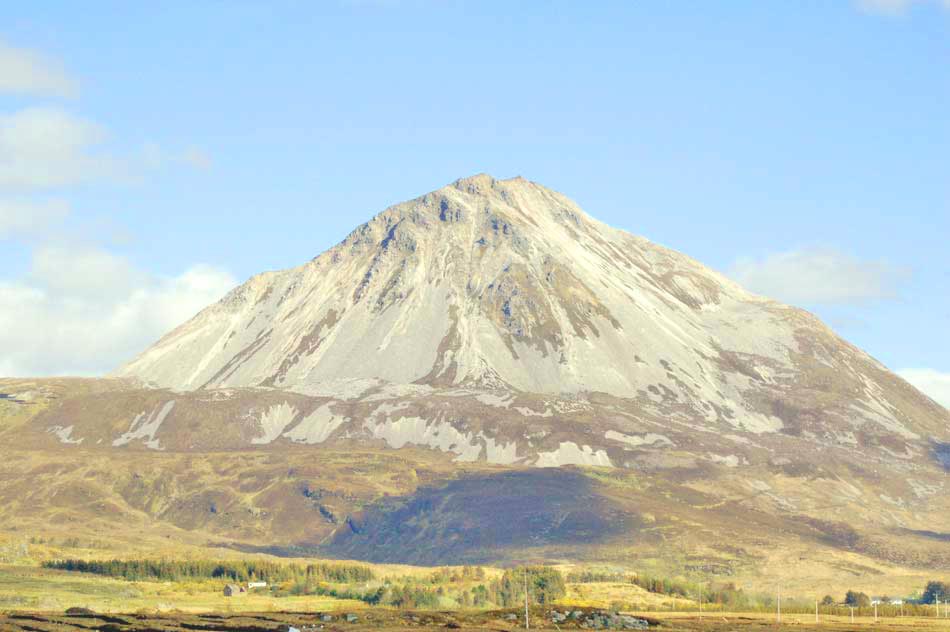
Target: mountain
<point>509,290</point>
<point>392,397</point>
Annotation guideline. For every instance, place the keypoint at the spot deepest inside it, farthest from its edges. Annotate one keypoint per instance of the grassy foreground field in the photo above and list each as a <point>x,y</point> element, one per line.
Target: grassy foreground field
<point>31,588</point>
<point>38,599</point>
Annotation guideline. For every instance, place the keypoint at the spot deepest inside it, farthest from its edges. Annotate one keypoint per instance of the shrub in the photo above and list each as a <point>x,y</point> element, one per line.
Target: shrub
<point>857,599</point>
<point>936,590</point>
<point>545,585</point>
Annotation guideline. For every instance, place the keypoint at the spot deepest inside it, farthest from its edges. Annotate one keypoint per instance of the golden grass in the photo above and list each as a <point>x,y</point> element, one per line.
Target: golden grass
<point>604,595</point>
<point>31,588</point>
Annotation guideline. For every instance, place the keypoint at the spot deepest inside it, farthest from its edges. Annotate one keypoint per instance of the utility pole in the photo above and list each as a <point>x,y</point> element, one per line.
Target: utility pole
<point>778,611</point>
<point>816,611</point>
<point>527,625</point>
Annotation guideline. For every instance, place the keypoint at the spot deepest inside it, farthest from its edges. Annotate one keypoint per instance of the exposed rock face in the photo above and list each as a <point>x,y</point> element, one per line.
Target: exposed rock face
<point>499,284</point>
<point>505,286</point>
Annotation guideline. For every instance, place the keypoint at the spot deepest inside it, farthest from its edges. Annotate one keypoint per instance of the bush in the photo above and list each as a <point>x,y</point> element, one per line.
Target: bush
<point>857,599</point>
<point>412,597</point>
<point>479,596</point>
<point>545,585</point>
<point>934,591</point>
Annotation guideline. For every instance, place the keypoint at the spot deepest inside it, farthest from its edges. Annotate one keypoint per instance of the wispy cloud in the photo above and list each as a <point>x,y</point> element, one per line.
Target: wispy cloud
<point>897,7</point>
<point>45,147</point>
<point>196,157</point>
<point>933,383</point>
<point>48,147</point>
<point>819,275</point>
<point>156,156</point>
<point>24,71</point>
<point>22,217</point>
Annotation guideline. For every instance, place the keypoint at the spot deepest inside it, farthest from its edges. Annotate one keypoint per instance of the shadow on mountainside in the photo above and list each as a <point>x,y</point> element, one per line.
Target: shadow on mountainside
<point>475,518</point>
<point>941,453</point>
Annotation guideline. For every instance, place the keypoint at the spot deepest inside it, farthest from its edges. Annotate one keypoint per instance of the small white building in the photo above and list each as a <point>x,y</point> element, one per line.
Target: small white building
<point>893,602</point>
<point>253,585</point>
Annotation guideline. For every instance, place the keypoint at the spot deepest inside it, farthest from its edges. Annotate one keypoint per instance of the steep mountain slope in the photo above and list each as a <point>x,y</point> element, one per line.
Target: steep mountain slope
<point>507,285</point>
<point>485,283</point>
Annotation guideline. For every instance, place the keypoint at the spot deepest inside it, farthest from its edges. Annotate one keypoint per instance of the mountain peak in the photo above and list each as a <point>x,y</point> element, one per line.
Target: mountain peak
<point>476,208</point>
<point>481,182</point>
<point>475,183</point>
<point>505,284</point>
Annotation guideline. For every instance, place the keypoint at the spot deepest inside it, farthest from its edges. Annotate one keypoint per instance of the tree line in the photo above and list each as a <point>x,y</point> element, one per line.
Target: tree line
<point>934,592</point>
<point>235,571</point>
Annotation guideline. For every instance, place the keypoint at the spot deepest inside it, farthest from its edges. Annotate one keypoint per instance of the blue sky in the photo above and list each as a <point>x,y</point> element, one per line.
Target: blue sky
<point>151,157</point>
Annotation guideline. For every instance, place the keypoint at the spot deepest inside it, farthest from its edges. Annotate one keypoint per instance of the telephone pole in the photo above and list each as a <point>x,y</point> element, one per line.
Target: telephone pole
<point>779,604</point>
<point>527,625</point>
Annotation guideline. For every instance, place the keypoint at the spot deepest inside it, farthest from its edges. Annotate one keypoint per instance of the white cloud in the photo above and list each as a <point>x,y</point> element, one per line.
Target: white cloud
<point>23,71</point>
<point>885,7</point>
<point>896,7</point>
<point>154,156</point>
<point>80,272</point>
<point>85,312</point>
<point>930,382</point>
<point>47,147</point>
<point>79,310</point>
<point>20,217</point>
<point>819,276</point>
<point>44,147</point>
